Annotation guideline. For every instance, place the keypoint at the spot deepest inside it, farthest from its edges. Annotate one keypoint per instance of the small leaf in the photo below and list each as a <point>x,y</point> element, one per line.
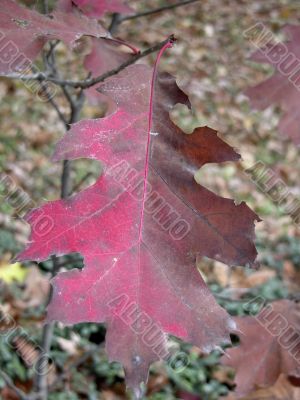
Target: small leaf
<point>269,346</point>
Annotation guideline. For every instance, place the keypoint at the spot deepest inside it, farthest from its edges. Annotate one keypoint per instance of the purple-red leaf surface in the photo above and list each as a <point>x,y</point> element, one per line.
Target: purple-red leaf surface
<point>95,8</point>
<point>283,87</point>
<point>24,33</point>
<point>141,226</point>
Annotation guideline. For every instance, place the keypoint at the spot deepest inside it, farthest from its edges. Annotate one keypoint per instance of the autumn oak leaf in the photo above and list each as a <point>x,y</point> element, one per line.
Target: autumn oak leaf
<point>141,227</point>
<point>24,32</point>
<point>283,87</point>
<point>269,346</point>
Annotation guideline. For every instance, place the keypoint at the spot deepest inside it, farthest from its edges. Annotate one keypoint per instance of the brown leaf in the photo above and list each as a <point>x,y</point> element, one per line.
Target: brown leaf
<point>282,88</point>
<point>269,346</point>
<point>282,390</point>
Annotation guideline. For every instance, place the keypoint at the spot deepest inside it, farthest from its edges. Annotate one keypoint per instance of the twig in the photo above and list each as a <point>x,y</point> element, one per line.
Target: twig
<point>76,108</point>
<point>53,103</point>
<point>10,384</point>
<point>87,83</point>
<point>117,19</point>
<point>65,179</point>
<point>46,7</point>
<point>68,97</point>
<point>155,10</point>
<point>82,180</point>
<point>50,55</point>
<point>41,384</point>
<point>115,22</point>
<point>93,81</point>
<point>39,76</point>
<point>42,366</point>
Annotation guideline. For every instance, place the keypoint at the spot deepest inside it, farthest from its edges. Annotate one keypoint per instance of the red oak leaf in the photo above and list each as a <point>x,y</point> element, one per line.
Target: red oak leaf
<point>24,33</point>
<point>269,346</point>
<point>283,88</point>
<point>141,226</point>
<point>95,8</point>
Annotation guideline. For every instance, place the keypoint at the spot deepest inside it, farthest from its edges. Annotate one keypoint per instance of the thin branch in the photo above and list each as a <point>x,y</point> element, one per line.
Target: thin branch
<point>39,76</point>
<point>41,383</point>
<point>65,179</point>
<point>76,108</point>
<point>10,384</point>
<point>42,366</point>
<point>131,61</point>
<point>68,97</point>
<point>117,19</point>
<point>93,81</point>
<point>53,103</point>
<point>45,7</point>
<point>155,11</point>
<point>115,22</point>
<point>87,83</point>
<point>82,180</point>
<point>49,57</point>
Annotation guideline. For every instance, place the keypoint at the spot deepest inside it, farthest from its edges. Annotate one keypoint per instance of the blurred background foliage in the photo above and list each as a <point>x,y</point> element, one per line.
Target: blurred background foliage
<point>210,62</point>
